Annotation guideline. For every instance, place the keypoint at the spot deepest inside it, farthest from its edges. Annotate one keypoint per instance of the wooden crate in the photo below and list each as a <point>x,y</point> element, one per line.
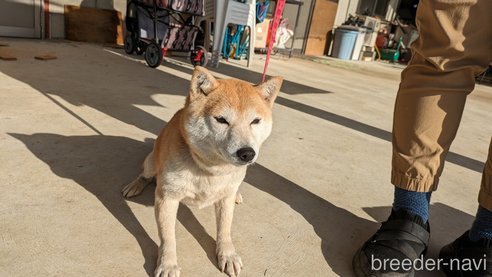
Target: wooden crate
<point>93,25</point>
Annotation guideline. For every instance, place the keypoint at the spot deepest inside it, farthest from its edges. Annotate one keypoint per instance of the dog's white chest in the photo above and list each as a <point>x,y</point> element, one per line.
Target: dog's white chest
<point>202,199</point>
<point>203,191</point>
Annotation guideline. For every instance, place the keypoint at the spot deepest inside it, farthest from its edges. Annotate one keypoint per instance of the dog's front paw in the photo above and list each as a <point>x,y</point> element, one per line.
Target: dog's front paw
<point>231,264</point>
<point>167,270</point>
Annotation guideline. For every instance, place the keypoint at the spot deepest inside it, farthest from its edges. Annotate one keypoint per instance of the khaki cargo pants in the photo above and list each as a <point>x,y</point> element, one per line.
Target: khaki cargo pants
<point>455,44</point>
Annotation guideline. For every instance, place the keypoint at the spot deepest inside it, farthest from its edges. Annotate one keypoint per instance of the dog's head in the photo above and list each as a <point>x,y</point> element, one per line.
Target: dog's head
<point>228,120</point>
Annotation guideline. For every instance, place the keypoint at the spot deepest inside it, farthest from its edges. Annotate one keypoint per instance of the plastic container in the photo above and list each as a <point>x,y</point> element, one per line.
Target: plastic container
<point>344,42</point>
<point>359,42</point>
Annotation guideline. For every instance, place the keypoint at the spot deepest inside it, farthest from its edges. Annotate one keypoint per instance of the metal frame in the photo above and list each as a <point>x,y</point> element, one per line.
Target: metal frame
<point>170,13</point>
<point>299,5</point>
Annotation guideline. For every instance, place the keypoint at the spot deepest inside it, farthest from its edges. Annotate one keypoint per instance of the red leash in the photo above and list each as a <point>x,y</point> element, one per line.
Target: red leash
<point>273,31</point>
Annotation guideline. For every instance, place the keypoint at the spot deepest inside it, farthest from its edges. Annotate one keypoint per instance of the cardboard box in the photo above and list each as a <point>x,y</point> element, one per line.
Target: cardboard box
<point>262,33</point>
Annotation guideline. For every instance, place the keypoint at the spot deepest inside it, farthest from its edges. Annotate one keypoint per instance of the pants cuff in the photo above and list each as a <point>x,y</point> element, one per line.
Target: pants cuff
<point>414,184</point>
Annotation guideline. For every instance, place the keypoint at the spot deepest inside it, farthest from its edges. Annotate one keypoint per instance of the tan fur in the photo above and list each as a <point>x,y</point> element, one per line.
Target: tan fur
<point>197,159</point>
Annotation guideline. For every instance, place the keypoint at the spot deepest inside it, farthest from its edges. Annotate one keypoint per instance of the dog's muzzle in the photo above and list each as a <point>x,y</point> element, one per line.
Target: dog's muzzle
<point>246,154</point>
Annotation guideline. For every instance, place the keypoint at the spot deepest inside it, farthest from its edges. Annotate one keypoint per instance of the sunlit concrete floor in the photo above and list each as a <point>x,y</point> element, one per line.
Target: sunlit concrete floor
<point>74,131</point>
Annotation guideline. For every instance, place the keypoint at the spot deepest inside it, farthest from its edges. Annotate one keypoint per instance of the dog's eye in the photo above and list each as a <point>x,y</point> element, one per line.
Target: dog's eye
<point>256,121</point>
<point>221,120</point>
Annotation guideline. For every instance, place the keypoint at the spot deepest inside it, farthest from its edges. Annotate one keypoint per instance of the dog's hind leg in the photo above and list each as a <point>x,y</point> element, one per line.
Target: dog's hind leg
<point>137,186</point>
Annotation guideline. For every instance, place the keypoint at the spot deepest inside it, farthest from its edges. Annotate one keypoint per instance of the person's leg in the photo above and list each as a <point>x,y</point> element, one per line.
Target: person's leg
<point>474,245</point>
<point>482,227</point>
<point>413,202</point>
<point>432,95</point>
<point>452,47</point>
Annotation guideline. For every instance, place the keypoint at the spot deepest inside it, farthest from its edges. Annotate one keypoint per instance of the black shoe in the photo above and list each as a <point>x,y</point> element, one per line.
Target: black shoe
<point>403,236</point>
<point>465,258</point>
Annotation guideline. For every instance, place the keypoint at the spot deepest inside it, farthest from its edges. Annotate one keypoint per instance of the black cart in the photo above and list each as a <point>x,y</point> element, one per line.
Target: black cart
<point>155,27</point>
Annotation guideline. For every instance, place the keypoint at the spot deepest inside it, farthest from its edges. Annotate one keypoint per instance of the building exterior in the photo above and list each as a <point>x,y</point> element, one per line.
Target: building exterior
<point>316,22</point>
<point>44,18</point>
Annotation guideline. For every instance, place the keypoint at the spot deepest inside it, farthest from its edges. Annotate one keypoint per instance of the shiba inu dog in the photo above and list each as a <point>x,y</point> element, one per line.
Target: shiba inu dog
<point>200,159</point>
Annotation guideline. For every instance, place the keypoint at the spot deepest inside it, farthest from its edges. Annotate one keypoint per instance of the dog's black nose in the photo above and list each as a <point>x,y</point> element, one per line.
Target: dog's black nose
<point>246,154</point>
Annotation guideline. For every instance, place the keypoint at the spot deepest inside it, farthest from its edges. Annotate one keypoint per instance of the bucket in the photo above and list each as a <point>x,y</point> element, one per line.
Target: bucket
<point>344,42</point>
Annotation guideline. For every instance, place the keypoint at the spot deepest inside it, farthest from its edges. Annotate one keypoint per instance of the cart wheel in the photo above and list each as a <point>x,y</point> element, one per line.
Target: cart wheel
<point>130,44</point>
<point>153,55</point>
<point>199,56</point>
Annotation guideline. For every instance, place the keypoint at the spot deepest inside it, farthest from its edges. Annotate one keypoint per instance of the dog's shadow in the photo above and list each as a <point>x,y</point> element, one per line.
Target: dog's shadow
<point>91,162</point>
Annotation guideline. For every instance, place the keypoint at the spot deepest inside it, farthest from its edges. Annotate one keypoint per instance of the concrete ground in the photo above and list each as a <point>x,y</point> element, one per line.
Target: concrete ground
<point>74,131</point>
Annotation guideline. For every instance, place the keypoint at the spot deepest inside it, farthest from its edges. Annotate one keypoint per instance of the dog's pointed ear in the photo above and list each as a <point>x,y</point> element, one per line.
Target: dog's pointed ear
<point>270,89</point>
<point>202,82</point>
